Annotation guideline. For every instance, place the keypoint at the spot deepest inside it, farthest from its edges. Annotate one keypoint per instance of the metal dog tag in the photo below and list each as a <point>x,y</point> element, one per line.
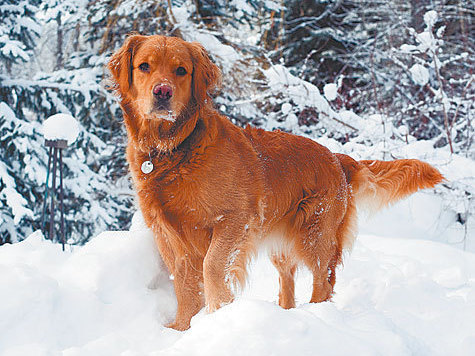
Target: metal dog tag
<point>147,167</point>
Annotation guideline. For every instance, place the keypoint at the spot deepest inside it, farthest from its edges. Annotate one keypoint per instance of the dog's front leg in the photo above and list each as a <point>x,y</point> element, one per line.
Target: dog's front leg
<point>187,271</point>
<point>188,283</point>
<point>223,261</point>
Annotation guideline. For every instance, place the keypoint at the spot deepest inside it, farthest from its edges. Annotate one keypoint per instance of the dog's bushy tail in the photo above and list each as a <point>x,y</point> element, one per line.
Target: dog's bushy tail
<point>376,184</point>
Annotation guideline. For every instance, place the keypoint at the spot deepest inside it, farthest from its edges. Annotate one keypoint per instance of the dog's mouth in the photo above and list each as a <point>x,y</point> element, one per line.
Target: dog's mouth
<point>162,112</point>
<point>161,105</point>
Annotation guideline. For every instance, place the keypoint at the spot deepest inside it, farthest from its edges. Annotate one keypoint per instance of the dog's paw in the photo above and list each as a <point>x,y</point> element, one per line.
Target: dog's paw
<point>180,326</point>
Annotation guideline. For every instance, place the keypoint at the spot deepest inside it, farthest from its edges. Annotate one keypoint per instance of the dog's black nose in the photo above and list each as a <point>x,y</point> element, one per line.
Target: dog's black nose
<point>162,91</point>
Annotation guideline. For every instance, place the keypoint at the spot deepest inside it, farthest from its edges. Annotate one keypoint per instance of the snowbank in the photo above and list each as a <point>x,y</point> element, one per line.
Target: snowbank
<point>112,297</point>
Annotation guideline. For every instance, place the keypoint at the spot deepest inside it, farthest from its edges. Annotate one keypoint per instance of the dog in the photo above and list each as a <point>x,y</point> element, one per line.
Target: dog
<point>213,193</point>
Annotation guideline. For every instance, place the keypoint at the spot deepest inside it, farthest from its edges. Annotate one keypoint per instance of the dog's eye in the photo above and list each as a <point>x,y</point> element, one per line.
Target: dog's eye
<point>144,67</point>
<point>180,71</point>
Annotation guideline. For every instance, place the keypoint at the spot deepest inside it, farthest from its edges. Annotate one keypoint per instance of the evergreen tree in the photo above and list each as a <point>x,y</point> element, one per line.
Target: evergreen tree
<point>96,196</point>
<point>312,38</point>
<point>18,31</point>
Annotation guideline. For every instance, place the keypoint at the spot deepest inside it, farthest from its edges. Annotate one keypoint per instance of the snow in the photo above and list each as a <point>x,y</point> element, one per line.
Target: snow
<point>8,188</point>
<point>12,48</point>
<point>285,108</point>
<point>426,40</point>
<point>61,127</point>
<point>430,18</point>
<point>397,295</point>
<point>15,201</point>
<point>224,54</point>
<point>301,92</point>
<point>330,91</point>
<point>243,7</point>
<point>419,74</point>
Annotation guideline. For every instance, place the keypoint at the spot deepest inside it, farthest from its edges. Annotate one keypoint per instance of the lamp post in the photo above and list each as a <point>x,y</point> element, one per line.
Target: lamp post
<point>56,155</point>
<point>59,130</point>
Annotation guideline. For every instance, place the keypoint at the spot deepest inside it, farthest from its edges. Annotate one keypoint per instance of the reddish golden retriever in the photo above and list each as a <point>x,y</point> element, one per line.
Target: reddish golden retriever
<point>214,192</point>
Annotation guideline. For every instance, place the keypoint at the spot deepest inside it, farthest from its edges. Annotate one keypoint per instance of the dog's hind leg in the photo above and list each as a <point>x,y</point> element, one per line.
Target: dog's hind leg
<point>327,254</point>
<point>346,235</point>
<point>286,267</point>
<point>322,288</point>
<point>316,248</point>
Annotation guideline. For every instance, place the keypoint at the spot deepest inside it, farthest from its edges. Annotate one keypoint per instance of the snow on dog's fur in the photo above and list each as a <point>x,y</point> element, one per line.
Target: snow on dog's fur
<point>217,191</point>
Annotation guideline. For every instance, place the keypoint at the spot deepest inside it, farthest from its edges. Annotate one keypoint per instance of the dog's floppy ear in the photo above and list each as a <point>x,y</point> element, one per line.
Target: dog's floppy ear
<point>206,75</point>
<point>120,64</point>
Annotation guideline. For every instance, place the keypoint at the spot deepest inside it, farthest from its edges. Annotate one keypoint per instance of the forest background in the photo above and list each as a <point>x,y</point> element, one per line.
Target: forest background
<point>373,79</point>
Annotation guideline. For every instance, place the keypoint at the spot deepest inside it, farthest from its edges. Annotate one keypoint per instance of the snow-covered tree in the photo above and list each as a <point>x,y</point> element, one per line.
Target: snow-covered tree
<point>277,58</point>
<point>414,66</point>
<point>19,29</point>
<point>309,37</point>
<point>97,197</point>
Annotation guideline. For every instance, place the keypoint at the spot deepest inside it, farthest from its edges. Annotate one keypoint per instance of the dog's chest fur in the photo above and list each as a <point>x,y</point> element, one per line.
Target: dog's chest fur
<point>173,187</point>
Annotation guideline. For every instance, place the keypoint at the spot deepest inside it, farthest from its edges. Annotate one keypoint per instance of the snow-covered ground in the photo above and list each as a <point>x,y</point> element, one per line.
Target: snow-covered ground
<point>396,295</point>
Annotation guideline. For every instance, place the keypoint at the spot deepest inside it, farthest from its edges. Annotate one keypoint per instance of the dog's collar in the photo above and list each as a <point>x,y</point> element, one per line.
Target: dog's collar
<point>147,166</point>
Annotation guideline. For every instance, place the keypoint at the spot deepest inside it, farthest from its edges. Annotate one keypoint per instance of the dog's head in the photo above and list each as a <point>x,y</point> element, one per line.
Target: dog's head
<point>163,77</point>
